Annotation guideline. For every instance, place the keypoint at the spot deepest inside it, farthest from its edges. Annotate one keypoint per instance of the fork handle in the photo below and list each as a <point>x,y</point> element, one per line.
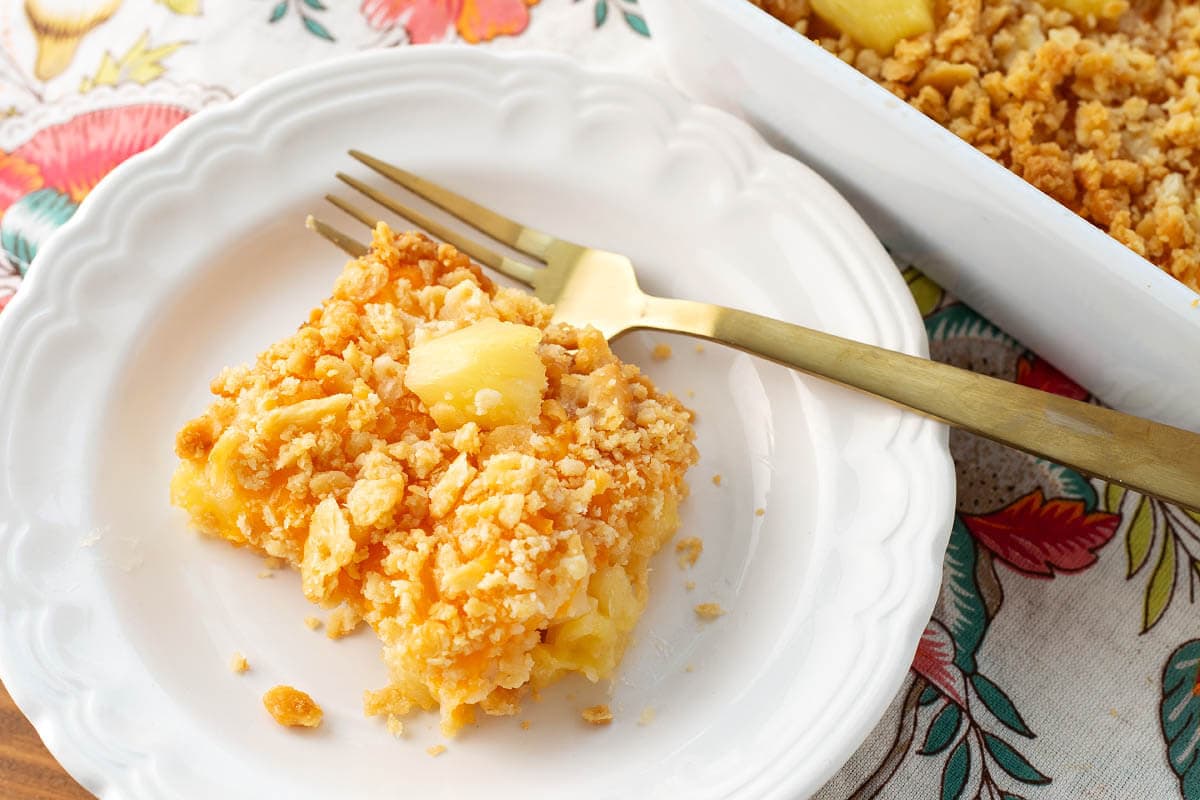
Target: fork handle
<point>1143,455</point>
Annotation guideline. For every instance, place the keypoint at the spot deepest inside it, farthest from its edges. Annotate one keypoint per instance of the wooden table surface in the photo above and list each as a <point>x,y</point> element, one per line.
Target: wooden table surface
<point>27,770</point>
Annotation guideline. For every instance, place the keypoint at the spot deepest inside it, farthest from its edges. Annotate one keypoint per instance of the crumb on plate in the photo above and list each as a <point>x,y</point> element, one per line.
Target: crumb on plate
<point>435,750</point>
<point>524,724</point>
<point>312,623</point>
<point>597,715</point>
<point>661,352</point>
<point>758,512</point>
<point>689,549</point>
<point>689,585</point>
<point>647,716</point>
<point>708,611</point>
<point>716,479</point>
<point>238,664</point>
<point>395,726</point>
<point>292,708</point>
<point>342,622</point>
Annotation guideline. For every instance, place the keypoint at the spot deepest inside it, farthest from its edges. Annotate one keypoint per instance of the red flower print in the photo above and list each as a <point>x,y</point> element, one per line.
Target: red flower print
<point>433,20</point>
<point>73,156</point>
<point>1041,374</point>
<point>43,180</point>
<point>18,178</point>
<point>1037,537</point>
<point>934,661</point>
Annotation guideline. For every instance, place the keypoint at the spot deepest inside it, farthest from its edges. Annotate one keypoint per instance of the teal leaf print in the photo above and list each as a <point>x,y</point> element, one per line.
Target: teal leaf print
<point>310,24</point>
<point>963,612</point>
<point>29,222</point>
<point>1013,762</point>
<point>956,772</point>
<point>1069,484</point>
<point>1180,716</point>
<point>636,22</point>
<point>317,29</point>
<point>928,696</point>
<point>960,322</point>
<point>942,730</point>
<point>998,703</point>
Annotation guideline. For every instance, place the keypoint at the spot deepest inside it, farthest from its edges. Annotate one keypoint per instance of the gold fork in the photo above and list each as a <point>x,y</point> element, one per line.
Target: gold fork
<point>595,287</point>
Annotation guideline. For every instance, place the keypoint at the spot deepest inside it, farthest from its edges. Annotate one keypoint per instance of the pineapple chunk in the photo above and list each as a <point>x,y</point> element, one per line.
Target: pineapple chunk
<point>488,373</point>
<point>1101,9</point>
<point>879,24</point>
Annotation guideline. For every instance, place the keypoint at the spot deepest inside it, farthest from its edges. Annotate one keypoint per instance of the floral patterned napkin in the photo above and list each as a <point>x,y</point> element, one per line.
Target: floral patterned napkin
<point>1063,658</point>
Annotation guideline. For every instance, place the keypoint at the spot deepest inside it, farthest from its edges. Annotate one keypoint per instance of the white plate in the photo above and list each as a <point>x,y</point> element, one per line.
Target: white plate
<point>1103,314</point>
<point>118,623</point>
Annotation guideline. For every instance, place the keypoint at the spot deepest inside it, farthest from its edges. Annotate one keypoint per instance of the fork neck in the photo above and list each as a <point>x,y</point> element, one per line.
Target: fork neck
<point>681,316</point>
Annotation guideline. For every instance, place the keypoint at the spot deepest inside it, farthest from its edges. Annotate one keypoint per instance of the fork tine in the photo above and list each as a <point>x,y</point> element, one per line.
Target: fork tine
<point>350,246</point>
<point>478,251</point>
<point>523,239</point>
<point>353,210</point>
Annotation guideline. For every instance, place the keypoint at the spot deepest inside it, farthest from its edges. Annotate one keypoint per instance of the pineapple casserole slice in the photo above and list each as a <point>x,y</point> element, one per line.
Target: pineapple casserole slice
<point>482,487</point>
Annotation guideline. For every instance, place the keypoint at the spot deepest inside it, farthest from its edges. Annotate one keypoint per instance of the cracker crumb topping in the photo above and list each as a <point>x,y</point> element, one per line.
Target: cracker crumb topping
<point>688,550</point>
<point>488,560</point>
<point>292,708</point>
<point>1100,111</point>
<point>597,715</point>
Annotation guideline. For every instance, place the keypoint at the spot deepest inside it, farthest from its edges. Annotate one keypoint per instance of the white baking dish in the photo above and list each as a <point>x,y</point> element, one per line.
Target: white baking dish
<point>1101,313</point>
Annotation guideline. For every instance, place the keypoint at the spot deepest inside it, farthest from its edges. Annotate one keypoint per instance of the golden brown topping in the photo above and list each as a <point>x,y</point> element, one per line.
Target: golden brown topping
<point>490,559</point>
<point>1095,102</point>
<point>342,622</point>
<point>292,707</point>
<point>689,549</point>
<point>597,715</point>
